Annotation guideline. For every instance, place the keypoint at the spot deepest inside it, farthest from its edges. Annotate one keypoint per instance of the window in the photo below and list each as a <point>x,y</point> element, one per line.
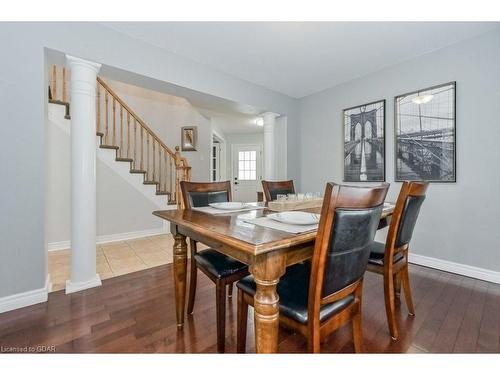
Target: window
<point>247,165</point>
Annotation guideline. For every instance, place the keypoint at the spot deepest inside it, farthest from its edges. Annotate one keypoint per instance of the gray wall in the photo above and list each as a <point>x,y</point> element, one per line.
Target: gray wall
<point>460,221</point>
<point>23,94</point>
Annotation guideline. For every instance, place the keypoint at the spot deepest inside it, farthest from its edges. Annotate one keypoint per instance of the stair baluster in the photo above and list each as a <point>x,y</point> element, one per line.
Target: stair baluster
<point>171,178</point>
<point>147,155</point>
<point>106,121</point>
<point>63,84</point>
<point>167,168</point>
<point>54,82</point>
<point>142,149</point>
<point>160,169</point>
<point>114,121</point>
<point>98,110</point>
<point>135,143</point>
<point>128,134</point>
<point>154,159</point>
<point>121,132</point>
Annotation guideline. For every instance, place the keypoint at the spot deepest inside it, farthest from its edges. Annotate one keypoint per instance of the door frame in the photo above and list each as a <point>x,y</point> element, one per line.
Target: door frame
<point>222,156</point>
<point>261,167</point>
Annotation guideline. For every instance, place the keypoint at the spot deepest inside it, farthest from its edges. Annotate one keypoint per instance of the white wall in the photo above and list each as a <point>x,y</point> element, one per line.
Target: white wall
<point>459,222</point>
<point>166,115</point>
<point>23,98</point>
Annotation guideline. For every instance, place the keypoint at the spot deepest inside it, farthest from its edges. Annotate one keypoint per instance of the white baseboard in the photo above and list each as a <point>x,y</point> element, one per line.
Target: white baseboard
<point>72,287</point>
<point>129,235</point>
<point>31,297</point>
<point>54,246</point>
<point>458,268</point>
<point>61,245</point>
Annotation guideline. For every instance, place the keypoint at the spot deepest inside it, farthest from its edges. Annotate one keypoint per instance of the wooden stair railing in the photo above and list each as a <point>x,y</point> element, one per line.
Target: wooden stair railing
<point>121,129</point>
<point>58,81</point>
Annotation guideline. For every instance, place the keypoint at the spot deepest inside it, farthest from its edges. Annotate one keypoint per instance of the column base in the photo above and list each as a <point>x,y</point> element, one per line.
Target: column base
<point>72,287</point>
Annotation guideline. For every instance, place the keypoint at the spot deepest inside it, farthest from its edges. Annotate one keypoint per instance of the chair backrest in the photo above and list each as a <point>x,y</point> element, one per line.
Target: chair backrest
<point>273,188</point>
<point>200,194</point>
<point>350,216</point>
<point>404,218</point>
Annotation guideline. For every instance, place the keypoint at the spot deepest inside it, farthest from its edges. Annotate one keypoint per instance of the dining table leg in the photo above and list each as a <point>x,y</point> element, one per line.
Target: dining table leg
<point>180,272</point>
<point>267,270</point>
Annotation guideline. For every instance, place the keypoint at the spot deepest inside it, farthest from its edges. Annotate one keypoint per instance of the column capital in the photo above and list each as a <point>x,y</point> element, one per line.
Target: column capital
<point>73,61</point>
<point>270,115</point>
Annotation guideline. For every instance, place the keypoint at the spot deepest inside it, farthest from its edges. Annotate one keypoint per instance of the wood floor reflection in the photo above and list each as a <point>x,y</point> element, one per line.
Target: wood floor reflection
<point>135,313</point>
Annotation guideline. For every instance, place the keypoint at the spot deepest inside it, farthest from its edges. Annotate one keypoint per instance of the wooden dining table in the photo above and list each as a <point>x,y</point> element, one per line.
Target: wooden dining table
<point>266,251</point>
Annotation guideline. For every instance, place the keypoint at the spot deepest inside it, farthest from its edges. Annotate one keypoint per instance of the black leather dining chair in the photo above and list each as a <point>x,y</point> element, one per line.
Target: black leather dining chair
<point>390,259</point>
<point>219,268</point>
<point>318,297</point>
<point>273,188</point>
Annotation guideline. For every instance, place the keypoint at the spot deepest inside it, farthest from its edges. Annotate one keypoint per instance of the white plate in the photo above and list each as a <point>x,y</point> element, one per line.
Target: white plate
<point>295,217</point>
<point>228,205</point>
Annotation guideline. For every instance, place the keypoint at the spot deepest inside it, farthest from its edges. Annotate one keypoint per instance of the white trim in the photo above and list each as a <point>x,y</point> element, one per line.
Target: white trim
<point>458,268</point>
<point>222,156</point>
<point>73,60</point>
<point>218,135</point>
<point>31,297</point>
<point>129,235</point>
<point>72,287</point>
<point>48,283</point>
<point>54,246</point>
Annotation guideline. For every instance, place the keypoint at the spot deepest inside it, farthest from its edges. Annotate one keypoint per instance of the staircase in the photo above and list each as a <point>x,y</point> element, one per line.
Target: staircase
<point>119,128</point>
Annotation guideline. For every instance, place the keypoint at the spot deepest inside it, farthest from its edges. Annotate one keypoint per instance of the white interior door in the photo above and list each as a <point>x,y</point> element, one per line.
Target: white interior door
<point>247,175</point>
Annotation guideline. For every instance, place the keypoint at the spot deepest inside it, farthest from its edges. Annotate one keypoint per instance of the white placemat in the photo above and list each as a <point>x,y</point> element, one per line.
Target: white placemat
<point>273,224</point>
<point>216,211</point>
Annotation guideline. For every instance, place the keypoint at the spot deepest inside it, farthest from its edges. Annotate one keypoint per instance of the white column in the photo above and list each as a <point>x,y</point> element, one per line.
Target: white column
<point>83,175</point>
<point>269,146</point>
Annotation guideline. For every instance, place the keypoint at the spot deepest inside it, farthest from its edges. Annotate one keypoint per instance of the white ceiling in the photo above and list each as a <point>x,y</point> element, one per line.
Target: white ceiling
<point>228,116</point>
<point>232,123</point>
<point>300,58</point>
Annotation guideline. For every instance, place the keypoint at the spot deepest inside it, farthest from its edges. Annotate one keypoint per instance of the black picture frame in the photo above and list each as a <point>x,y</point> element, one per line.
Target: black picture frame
<point>436,128</point>
<point>372,169</point>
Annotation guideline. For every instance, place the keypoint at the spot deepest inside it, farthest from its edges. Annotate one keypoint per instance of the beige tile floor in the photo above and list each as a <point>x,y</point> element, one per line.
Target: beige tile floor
<point>116,258</point>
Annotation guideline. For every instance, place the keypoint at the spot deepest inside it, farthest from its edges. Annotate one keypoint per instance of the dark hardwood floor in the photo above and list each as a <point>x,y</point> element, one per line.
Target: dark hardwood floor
<point>135,313</point>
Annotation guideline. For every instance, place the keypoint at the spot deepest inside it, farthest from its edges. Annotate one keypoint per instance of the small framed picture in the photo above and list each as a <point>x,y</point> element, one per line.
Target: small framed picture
<point>189,138</point>
<point>364,142</point>
<point>425,134</point>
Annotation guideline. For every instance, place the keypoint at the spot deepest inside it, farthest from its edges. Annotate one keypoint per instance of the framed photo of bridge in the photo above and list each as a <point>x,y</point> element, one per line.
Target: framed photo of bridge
<point>364,142</point>
<point>425,142</point>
